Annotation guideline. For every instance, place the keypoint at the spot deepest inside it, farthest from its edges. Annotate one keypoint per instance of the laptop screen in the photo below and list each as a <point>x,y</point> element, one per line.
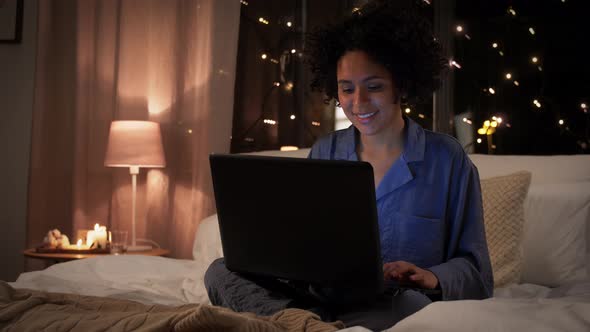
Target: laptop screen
<point>299,219</point>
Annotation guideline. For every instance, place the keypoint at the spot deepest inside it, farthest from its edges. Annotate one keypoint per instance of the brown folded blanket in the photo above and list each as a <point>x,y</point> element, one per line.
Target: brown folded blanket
<point>29,310</point>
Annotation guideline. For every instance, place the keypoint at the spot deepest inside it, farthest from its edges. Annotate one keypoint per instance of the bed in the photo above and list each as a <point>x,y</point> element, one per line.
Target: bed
<point>538,240</point>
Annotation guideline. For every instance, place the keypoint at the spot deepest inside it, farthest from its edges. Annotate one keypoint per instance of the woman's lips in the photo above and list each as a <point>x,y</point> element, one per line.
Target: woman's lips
<point>365,117</point>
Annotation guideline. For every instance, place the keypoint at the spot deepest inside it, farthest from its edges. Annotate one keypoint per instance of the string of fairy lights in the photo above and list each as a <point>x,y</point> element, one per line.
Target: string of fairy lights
<point>488,126</point>
<point>278,60</point>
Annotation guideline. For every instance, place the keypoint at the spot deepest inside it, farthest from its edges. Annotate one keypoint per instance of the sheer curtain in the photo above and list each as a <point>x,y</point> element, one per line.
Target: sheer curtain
<point>172,62</point>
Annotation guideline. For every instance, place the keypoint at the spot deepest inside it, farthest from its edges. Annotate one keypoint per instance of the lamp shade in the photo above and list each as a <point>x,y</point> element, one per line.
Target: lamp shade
<point>135,143</point>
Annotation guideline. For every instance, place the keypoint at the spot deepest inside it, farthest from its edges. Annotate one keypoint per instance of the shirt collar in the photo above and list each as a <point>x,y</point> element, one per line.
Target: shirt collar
<point>414,142</point>
<point>347,150</point>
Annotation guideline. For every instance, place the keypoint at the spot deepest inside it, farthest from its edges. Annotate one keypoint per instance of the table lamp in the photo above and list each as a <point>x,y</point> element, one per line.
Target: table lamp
<point>135,144</point>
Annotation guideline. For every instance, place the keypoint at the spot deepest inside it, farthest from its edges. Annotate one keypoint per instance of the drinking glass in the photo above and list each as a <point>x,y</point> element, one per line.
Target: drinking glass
<point>118,242</point>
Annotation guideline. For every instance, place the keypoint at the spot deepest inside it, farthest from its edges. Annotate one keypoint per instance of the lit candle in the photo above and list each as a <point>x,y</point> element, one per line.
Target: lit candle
<point>80,246</point>
<point>98,235</point>
<point>77,246</point>
<point>90,236</point>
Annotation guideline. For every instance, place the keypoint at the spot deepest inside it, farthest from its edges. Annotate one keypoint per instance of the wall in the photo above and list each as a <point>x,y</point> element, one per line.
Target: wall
<point>17,74</point>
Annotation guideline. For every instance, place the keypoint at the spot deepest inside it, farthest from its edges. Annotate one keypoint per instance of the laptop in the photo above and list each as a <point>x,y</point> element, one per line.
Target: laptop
<point>299,219</point>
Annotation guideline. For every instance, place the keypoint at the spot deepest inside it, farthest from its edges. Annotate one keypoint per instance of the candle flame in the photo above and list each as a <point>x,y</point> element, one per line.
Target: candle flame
<point>79,243</point>
<point>96,227</point>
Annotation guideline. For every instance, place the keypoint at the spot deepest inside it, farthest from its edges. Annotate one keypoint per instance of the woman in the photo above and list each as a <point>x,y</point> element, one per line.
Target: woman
<point>428,193</point>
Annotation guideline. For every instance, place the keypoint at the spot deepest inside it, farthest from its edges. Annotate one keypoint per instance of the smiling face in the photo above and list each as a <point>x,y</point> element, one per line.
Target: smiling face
<point>368,95</point>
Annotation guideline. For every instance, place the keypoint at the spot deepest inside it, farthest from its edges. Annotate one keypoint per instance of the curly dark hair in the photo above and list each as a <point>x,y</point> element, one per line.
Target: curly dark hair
<point>393,33</point>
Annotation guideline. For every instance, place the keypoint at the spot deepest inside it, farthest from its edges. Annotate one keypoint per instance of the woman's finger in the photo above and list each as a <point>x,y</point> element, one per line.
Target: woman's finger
<point>417,276</point>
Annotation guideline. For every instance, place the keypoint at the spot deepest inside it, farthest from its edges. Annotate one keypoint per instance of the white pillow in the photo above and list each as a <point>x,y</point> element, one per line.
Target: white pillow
<point>545,169</point>
<point>555,230</point>
<point>207,245</point>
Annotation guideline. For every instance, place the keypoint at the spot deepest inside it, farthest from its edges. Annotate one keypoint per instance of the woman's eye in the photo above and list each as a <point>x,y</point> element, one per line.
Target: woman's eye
<point>375,87</point>
<point>347,90</point>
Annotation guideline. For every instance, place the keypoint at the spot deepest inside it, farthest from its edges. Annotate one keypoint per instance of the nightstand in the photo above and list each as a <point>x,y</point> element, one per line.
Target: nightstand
<point>63,257</point>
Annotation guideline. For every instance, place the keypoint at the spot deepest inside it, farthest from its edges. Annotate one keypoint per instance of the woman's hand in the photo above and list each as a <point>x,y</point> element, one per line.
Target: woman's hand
<point>407,273</point>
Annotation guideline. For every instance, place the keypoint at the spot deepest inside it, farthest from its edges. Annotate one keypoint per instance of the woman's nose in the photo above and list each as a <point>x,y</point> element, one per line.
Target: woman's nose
<point>360,97</point>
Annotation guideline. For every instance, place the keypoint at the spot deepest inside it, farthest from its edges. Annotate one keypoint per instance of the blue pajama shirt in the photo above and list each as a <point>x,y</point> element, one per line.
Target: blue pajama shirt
<point>429,207</point>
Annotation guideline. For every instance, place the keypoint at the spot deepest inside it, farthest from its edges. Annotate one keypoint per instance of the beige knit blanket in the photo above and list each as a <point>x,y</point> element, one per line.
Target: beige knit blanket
<point>28,310</point>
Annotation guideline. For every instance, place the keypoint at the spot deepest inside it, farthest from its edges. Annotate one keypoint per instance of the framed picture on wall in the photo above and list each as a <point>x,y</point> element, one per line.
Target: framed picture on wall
<point>11,21</point>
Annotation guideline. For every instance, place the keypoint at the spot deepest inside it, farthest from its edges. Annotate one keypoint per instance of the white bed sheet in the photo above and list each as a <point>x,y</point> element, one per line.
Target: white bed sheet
<point>146,279</point>
<point>160,280</point>
<point>524,307</point>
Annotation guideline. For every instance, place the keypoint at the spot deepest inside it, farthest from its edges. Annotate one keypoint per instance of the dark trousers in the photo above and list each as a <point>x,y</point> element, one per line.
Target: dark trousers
<point>266,296</point>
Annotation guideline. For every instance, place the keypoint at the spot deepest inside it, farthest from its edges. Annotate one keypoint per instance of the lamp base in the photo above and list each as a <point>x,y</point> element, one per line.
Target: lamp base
<point>139,248</point>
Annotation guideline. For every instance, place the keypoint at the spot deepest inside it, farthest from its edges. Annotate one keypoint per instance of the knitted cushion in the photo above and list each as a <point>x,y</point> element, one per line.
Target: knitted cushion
<point>503,201</point>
